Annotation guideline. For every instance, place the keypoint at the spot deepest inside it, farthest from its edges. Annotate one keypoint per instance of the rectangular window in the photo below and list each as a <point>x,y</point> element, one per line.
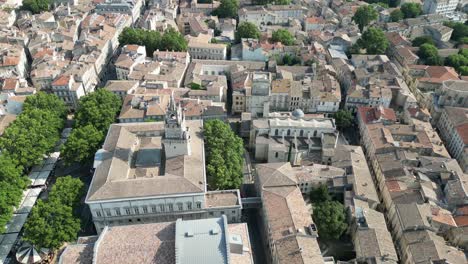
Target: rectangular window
<point>180,206</point>
<point>98,213</point>
<point>137,211</point>
<point>127,211</point>
<point>189,205</point>
<point>198,205</point>
<point>145,209</point>
<point>171,207</point>
<point>153,209</point>
<point>108,212</point>
<point>162,208</point>
<point>117,212</point>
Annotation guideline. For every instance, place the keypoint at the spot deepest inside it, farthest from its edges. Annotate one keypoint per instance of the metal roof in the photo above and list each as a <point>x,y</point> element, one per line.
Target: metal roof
<point>202,241</point>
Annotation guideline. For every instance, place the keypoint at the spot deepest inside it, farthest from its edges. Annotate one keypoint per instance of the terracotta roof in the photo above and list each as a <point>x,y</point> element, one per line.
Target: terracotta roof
<point>61,81</point>
<point>461,220</point>
<point>9,84</point>
<point>372,114</point>
<point>436,74</point>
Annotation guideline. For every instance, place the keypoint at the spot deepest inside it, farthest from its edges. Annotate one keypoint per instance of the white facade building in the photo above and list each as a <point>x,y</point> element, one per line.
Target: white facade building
<point>154,172</point>
<point>440,6</point>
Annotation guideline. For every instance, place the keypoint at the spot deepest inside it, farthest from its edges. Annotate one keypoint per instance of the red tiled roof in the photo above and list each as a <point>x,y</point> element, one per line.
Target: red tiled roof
<point>61,81</point>
<point>9,84</point>
<point>461,220</point>
<point>370,114</point>
<point>393,186</point>
<point>463,132</point>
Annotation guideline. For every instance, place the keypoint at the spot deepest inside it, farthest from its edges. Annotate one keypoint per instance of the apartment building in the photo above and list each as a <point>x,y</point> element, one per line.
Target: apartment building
<point>271,14</point>
<point>287,225</point>
<point>154,172</point>
<point>66,88</point>
<point>444,7</point>
<point>130,56</point>
<point>133,8</point>
<point>13,61</point>
<point>144,107</point>
<point>453,128</point>
<point>200,47</point>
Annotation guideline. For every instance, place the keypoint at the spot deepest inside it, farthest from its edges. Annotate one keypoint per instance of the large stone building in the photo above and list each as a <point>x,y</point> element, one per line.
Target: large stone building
<point>154,172</point>
<point>282,138</point>
<point>210,241</point>
<point>287,226</point>
<point>453,128</point>
<point>440,6</point>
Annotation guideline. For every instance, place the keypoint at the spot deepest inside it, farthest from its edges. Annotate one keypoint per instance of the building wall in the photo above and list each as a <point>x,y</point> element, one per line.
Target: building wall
<point>158,209</point>
<point>453,140</point>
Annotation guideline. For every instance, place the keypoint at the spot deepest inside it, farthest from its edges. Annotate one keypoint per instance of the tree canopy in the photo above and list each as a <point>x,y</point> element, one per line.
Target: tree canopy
<point>374,41</point>
<point>224,156</point>
<point>98,109</point>
<point>429,54</point>
<point>52,222</point>
<point>96,112</point>
<point>459,61</point>
<point>460,31</point>
<point>287,59</point>
<point>23,144</point>
<point>227,8</point>
<point>81,145</point>
<point>153,40</point>
<point>320,194</point>
<point>417,42</point>
<point>283,36</point>
<point>45,101</point>
<point>411,10</point>
<point>330,218</point>
<point>396,15</point>
<point>364,15</point>
<point>247,30</point>
<point>36,6</point>
<point>343,119</point>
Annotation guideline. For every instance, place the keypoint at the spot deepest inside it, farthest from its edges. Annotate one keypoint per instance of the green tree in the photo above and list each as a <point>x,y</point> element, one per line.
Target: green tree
<point>393,3</point>
<point>460,30</point>
<point>227,8</point>
<point>45,101</point>
<point>82,144</point>
<point>173,40</point>
<point>456,61</point>
<point>247,30</point>
<point>343,119</point>
<point>417,42</point>
<point>31,135</point>
<point>289,60</point>
<point>67,191</point>
<point>330,218</point>
<point>364,15</point>
<point>283,36</point>
<point>12,173</point>
<point>320,194</point>
<point>396,15</point>
<point>36,6</point>
<point>463,70</point>
<point>429,54</point>
<point>224,156</point>
<point>411,10</point>
<point>98,109</point>
<point>50,224</point>
<point>374,41</point>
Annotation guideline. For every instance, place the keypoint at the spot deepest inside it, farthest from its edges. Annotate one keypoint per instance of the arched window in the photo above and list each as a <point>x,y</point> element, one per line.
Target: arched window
<point>276,132</point>
<point>315,133</point>
<point>289,132</point>
<point>301,133</point>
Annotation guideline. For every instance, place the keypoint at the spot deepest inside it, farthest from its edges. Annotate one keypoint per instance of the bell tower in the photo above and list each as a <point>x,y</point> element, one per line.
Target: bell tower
<point>176,134</point>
